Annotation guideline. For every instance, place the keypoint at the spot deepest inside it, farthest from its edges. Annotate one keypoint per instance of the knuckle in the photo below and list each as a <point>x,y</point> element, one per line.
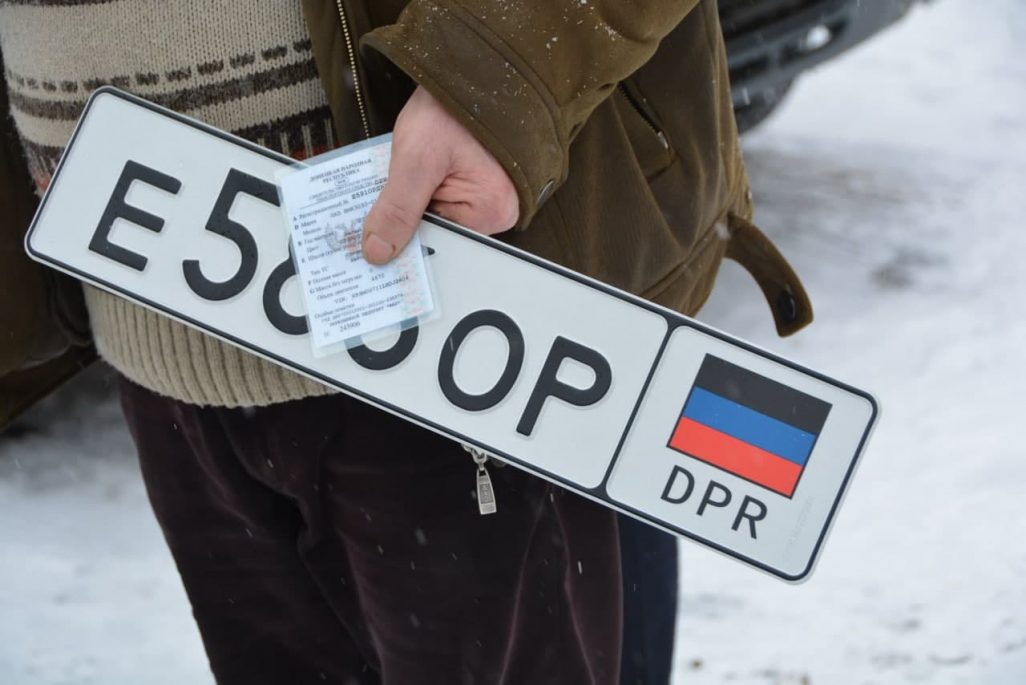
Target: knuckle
<point>504,210</point>
<point>491,218</point>
<point>512,209</point>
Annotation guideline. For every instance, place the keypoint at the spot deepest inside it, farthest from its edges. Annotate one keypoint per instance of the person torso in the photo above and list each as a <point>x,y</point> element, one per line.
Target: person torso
<point>245,66</point>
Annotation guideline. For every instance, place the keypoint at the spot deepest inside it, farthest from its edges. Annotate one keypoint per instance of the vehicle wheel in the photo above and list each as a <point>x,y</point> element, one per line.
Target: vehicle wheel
<point>760,106</point>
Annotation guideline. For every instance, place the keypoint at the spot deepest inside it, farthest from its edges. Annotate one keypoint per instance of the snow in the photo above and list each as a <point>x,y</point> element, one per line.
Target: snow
<point>892,178</point>
<point>88,591</point>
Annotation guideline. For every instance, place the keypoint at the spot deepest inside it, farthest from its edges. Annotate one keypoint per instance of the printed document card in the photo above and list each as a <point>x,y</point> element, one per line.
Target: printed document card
<point>325,204</point>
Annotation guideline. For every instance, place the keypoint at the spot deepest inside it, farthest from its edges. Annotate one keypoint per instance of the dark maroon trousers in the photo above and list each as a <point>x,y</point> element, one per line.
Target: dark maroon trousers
<point>327,541</point>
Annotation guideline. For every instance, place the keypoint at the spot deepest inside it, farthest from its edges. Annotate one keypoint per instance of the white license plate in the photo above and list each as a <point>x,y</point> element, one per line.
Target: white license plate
<point>622,401</point>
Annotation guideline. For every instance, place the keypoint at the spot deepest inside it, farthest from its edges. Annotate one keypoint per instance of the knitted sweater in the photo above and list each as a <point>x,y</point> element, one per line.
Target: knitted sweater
<point>241,65</point>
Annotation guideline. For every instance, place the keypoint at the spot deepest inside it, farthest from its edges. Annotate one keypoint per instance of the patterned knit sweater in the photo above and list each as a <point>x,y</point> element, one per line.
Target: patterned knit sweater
<point>241,65</point>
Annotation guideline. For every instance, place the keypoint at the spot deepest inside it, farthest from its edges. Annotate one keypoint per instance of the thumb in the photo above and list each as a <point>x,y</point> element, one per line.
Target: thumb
<point>391,222</point>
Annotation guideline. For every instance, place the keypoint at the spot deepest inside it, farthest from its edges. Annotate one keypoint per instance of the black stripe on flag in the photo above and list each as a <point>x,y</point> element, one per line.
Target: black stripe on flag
<point>762,394</point>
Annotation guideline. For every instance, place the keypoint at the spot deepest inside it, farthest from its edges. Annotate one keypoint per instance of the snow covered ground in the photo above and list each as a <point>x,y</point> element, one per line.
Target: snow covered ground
<point>893,179</point>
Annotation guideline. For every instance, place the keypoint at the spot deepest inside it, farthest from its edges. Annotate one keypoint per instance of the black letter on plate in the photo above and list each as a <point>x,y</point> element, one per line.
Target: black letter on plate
<point>515,340</point>
<point>118,208</point>
<point>707,499</point>
<point>386,359</point>
<point>276,314</point>
<point>219,223</point>
<point>752,518</point>
<point>549,386</point>
<point>677,470</point>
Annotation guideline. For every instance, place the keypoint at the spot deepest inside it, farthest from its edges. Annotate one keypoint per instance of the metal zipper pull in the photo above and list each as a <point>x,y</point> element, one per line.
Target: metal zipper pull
<point>485,492</point>
<point>645,115</point>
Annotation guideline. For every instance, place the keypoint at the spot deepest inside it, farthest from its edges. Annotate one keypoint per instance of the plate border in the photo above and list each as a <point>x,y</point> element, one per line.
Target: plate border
<point>600,494</point>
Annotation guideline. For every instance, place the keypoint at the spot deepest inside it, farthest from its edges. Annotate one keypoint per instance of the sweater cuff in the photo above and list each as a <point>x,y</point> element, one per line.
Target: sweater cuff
<point>489,89</point>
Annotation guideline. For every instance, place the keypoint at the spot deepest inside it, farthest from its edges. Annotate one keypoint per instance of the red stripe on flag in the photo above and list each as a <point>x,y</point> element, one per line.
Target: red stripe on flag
<point>737,457</point>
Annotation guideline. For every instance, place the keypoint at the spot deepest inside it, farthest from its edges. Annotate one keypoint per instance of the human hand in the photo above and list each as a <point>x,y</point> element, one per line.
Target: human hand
<point>436,164</point>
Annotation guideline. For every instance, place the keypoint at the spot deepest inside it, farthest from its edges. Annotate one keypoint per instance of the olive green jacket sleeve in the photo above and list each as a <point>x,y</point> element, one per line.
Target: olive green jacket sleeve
<point>41,312</point>
<point>35,356</point>
<point>523,76</point>
<point>21,282</point>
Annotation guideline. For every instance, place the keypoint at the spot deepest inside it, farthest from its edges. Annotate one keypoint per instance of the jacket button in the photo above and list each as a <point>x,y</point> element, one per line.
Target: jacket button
<point>787,307</point>
<point>546,191</point>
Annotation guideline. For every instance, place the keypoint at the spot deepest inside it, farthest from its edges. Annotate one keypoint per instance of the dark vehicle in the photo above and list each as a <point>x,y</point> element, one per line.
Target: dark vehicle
<point>771,42</point>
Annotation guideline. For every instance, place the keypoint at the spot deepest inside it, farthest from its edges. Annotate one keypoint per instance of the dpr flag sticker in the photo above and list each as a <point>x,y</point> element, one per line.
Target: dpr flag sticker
<point>749,425</point>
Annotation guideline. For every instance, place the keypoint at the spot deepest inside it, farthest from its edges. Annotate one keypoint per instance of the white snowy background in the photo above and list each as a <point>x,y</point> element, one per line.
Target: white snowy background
<point>894,180</point>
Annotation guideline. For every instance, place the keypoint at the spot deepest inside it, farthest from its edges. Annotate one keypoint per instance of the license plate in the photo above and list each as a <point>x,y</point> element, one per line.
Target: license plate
<point>622,401</point>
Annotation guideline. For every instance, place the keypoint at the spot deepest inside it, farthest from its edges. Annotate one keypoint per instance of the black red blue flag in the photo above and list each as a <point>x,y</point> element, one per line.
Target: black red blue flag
<point>749,425</point>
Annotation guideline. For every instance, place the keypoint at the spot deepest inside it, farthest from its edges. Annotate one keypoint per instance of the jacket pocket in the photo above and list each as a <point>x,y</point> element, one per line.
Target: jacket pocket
<point>646,133</point>
<point>687,287</point>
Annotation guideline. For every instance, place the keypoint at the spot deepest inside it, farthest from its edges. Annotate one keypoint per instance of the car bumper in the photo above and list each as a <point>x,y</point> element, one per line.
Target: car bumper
<point>770,42</point>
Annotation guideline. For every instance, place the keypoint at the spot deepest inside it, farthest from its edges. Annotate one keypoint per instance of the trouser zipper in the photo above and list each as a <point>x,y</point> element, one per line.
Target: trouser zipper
<point>644,114</point>
<point>356,72</point>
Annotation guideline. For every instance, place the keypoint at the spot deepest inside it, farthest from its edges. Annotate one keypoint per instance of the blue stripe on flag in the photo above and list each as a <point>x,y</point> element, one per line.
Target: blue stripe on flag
<point>749,426</point>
